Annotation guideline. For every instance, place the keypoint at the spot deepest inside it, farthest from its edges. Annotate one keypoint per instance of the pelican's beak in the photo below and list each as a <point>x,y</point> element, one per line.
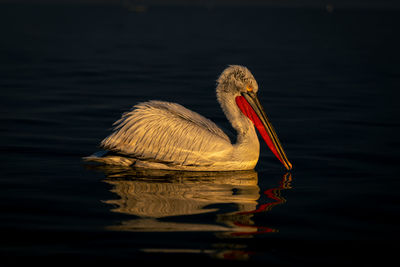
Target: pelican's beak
<point>251,107</point>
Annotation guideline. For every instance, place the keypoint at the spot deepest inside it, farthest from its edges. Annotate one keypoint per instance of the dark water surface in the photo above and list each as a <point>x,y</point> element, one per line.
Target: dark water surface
<point>328,81</point>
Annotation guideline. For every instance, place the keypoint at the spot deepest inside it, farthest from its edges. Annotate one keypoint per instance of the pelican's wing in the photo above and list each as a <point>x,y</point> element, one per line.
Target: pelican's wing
<point>169,133</point>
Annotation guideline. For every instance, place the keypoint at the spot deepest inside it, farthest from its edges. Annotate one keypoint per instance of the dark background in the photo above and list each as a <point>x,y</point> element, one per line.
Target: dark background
<point>329,78</point>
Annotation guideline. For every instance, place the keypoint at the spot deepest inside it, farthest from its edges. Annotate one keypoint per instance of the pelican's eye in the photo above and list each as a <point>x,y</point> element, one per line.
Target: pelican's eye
<point>249,88</point>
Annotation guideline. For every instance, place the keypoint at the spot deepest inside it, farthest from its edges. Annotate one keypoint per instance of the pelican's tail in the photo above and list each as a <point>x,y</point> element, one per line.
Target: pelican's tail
<point>105,157</point>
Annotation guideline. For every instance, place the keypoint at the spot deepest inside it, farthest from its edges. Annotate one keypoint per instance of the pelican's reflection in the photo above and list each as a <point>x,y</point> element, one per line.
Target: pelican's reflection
<point>156,196</point>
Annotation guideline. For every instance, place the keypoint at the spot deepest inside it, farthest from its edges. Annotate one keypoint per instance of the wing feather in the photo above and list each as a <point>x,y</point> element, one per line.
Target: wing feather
<point>167,132</point>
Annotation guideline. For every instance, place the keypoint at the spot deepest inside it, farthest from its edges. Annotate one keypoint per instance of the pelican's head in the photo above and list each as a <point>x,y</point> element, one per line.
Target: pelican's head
<point>237,79</point>
<point>237,83</point>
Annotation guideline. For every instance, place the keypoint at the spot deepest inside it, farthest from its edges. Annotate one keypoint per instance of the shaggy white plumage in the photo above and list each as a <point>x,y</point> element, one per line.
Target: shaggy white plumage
<point>163,135</point>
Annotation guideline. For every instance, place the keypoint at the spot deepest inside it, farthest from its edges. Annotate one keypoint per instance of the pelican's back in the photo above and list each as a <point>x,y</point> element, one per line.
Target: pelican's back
<point>168,133</point>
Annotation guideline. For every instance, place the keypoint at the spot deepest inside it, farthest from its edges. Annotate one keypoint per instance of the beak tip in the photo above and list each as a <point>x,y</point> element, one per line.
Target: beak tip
<point>289,167</point>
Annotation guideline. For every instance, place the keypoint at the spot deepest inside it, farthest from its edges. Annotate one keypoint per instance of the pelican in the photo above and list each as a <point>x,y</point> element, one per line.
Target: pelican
<point>165,135</point>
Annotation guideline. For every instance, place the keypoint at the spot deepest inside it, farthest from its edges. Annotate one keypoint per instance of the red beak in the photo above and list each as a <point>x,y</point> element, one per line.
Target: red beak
<point>251,107</point>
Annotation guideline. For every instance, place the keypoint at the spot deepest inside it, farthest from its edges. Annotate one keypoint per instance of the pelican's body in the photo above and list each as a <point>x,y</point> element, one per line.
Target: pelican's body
<point>164,135</point>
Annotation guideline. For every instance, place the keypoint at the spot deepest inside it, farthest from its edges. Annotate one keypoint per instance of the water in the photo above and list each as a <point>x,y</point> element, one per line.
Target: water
<point>328,81</point>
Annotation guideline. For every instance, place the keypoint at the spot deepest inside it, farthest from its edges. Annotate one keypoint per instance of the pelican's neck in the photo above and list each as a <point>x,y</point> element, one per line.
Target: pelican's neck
<point>246,133</point>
